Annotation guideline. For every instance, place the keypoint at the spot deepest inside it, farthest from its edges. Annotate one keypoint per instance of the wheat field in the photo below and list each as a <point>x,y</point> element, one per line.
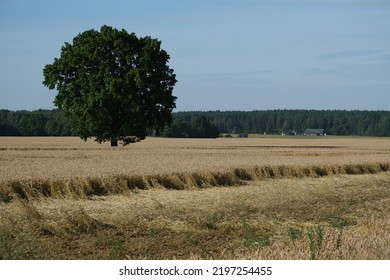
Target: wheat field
<point>254,198</point>
<point>27,158</point>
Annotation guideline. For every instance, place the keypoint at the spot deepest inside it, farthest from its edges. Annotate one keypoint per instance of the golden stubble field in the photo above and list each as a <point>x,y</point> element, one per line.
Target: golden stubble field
<point>69,157</point>
<point>254,198</point>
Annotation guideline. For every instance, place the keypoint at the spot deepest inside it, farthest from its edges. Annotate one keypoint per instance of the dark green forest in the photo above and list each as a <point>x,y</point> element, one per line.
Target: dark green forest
<point>334,122</point>
<point>212,123</point>
<point>34,123</point>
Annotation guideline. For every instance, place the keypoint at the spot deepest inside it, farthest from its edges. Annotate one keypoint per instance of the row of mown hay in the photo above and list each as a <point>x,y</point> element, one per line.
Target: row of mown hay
<point>83,188</point>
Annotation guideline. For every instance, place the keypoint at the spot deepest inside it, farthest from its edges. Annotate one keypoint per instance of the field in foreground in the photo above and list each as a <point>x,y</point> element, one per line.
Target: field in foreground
<point>314,198</point>
<point>338,217</point>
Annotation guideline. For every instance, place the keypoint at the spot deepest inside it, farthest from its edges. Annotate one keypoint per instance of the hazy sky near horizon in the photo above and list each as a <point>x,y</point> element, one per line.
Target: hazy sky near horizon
<point>227,55</point>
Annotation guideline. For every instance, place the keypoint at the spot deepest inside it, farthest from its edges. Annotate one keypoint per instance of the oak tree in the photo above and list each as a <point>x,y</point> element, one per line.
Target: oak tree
<point>112,85</point>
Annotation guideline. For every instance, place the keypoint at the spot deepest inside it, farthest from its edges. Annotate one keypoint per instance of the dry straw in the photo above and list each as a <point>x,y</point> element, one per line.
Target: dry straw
<point>82,188</point>
<point>332,217</point>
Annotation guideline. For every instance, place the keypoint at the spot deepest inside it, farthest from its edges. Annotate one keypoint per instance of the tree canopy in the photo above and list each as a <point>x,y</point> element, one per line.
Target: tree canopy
<point>113,85</point>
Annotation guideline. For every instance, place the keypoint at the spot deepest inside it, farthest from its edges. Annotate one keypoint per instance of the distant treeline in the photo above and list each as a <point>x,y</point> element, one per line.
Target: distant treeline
<point>211,123</point>
<point>34,123</point>
<point>334,122</point>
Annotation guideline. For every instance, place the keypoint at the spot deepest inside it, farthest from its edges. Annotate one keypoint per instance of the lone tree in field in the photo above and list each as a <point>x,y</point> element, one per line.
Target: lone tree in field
<point>112,85</point>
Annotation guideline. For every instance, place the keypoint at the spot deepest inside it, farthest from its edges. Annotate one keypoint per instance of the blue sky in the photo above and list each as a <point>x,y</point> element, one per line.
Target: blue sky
<point>227,55</point>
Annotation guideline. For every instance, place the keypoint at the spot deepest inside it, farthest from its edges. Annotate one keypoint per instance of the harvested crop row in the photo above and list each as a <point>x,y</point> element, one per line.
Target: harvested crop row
<point>88,187</point>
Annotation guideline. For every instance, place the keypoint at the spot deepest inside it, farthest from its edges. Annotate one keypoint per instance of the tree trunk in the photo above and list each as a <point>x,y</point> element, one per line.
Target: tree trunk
<point>114,143</point>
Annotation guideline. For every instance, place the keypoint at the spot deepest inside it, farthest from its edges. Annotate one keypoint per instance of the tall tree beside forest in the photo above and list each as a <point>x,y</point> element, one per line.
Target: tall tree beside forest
<point>112,85</point>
